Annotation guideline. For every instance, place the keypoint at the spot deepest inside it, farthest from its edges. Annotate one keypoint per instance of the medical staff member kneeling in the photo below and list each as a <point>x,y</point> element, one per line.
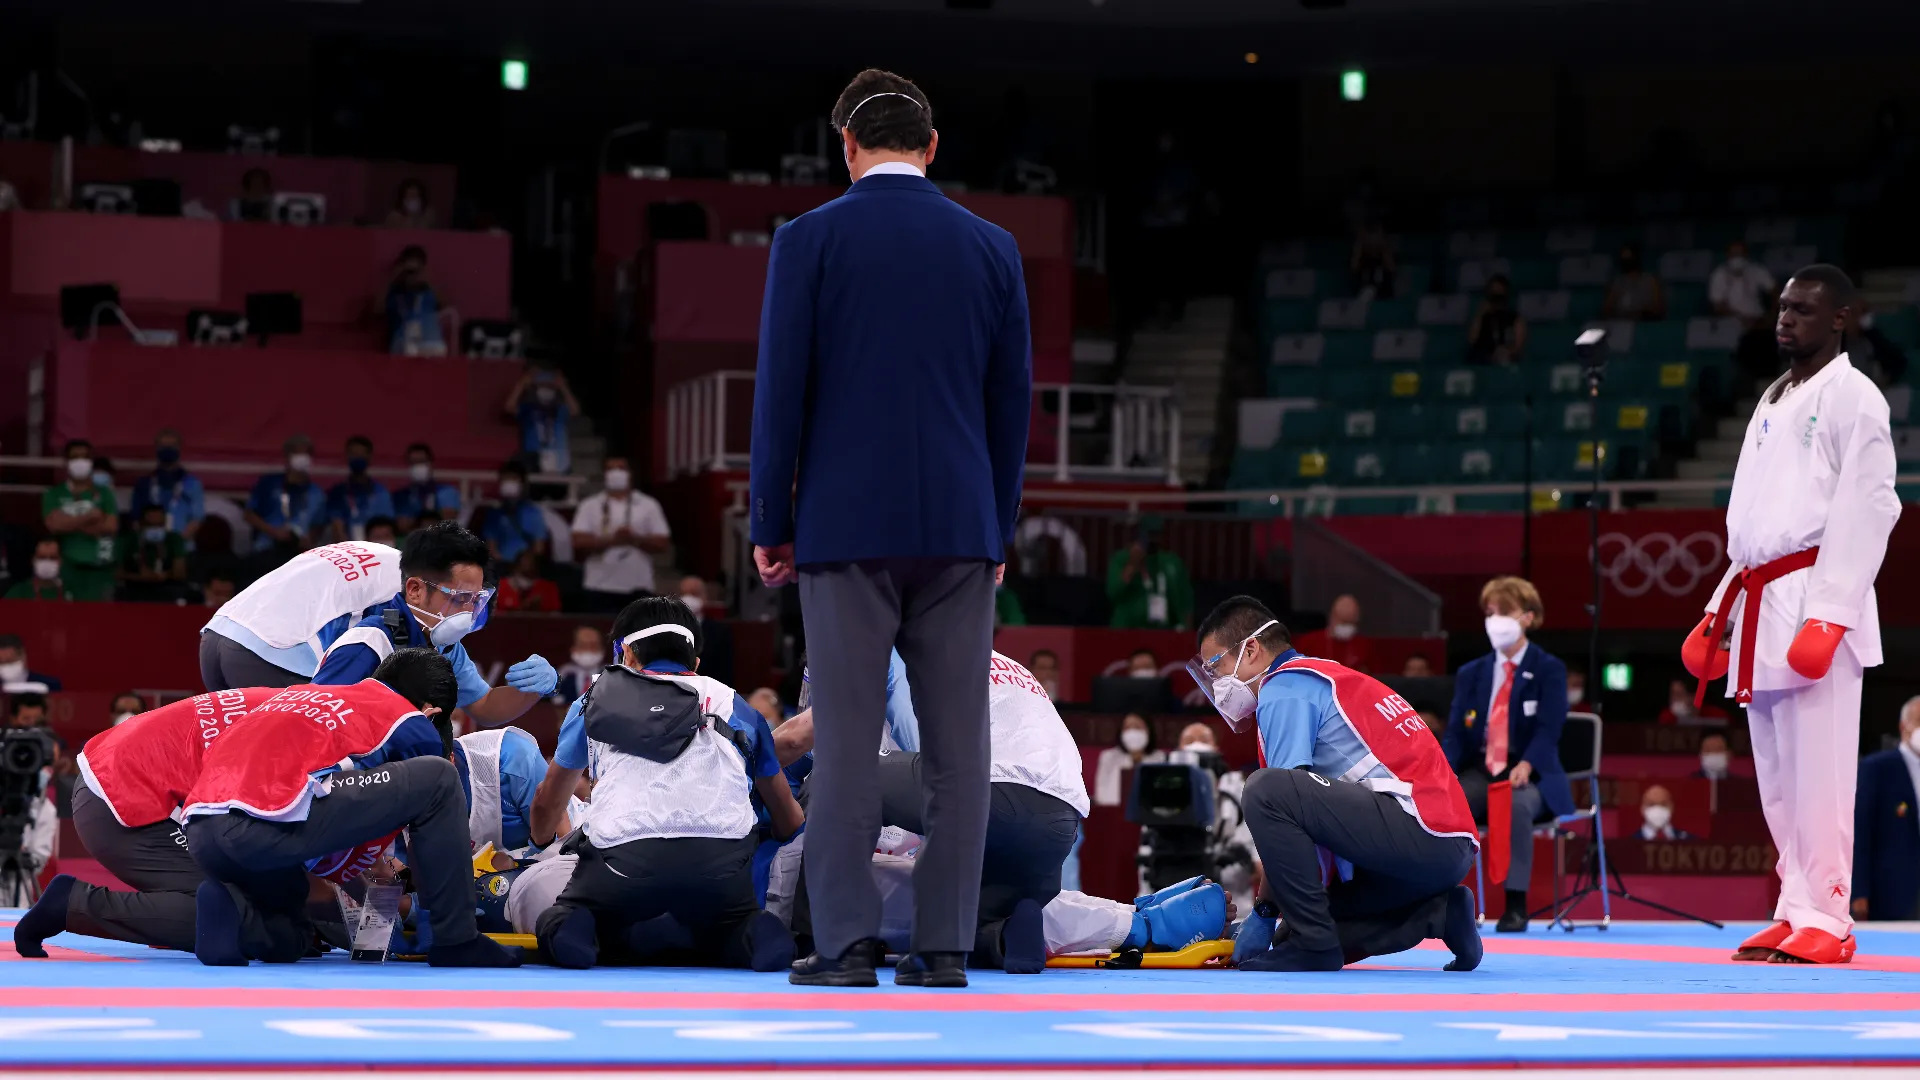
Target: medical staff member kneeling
<point>441,598</point>
<point>1348,766</point>
<point>676,760</point>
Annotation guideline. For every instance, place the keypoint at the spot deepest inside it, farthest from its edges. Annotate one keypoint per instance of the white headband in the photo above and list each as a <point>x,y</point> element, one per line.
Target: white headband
<point>656,631</point>
<point>888,93</point>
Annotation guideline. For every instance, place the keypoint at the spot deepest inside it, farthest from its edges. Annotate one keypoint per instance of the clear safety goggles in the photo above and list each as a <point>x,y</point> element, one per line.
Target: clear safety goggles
<point>478,601</point>
<point>1206,671</point>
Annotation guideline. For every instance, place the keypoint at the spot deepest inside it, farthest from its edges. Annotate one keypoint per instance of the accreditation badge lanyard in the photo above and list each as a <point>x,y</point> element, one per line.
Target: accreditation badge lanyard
<point>1157,610</point>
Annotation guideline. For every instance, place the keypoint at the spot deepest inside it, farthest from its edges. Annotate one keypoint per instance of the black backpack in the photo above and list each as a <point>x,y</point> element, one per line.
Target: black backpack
<point>648,716</point>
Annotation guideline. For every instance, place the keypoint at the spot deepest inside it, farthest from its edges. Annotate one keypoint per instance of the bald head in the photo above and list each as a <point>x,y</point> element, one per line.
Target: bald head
<point>1910,718</point>
<point>1656,796</point>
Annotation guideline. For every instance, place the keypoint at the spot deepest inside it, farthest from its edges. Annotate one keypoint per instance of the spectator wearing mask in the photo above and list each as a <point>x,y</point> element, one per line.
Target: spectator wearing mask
<point>1680,708</point>
<point>413,310</point>
<point>14,670</point>
<point>1417,667</point>
<point>358,499</point>
<point>1341,641</point>
<point>411,210</point>
<point>716,637</point>
<point>1374,264</point>
<point>1132,749</point>
<point>1045,667</point>
<point>524,589</point>
<point>1577,692</point>
<point>587,659</point>
<point>1148,585</point>
<point>1886,827</point>
<point>1498,333</point>
<point>1143,665</point>
<point>155,567</point>
<point>383,530</point>
<point>766,702</point>
<point>85,518</point>
<point>1635,292</point>
<point>422,500</point>
<point>1656,816</point>
<point>125,707</point>
<point>515,524</point>
<point>542,404</point>
<point>287,509</point>
<point>618,531</point>
<point>1742,289</point>
<point>1716,761</point>
<point>45,584</point>
<point>256,197</point>
<point>171,487</point>
<point>218,590</point>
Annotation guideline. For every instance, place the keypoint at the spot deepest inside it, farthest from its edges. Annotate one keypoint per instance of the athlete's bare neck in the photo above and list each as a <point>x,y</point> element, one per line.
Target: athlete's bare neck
<point>1799,371</point>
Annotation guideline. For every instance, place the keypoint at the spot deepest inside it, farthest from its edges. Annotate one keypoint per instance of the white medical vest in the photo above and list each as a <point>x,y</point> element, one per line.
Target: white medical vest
<point>289,606</point>
<point>704,792</point>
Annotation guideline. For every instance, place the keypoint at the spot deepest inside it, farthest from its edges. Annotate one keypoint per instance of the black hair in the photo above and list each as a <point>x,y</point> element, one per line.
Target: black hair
<point>434,551</point>
<point>424,678</point>
<point>421,447</point>
<point>1236,618</point>
<point>383,520</point>
<point>131,694</point>
<point>17,702</point>
<point>75,444</point>
<point>513,468</point>
<point>412,251</point>
<point>655,611</point>
<point>1500,280</point>
<point>362,440</point>
<point>1833,280</point>
<point>12,641</point>
<point>400,193</point>
<point>902,120</point>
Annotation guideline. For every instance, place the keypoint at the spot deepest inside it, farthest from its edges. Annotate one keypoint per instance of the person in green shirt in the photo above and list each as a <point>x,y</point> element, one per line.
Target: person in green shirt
<point>155,566</point>
<point>45,584</point>
<point>1006,608</point>
<point>86,518</point>
<point>1148,585</point>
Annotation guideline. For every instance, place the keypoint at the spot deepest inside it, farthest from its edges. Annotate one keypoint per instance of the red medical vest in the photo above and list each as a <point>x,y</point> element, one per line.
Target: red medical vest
<point>144,767</point>
<point>263,765</point>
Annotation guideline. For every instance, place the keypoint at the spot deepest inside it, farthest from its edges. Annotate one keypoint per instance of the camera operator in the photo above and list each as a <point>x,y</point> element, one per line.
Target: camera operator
<point>28,822</point>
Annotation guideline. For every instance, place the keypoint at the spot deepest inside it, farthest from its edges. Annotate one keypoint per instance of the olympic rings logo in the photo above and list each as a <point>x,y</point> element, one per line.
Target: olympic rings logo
<point>1675,566</point>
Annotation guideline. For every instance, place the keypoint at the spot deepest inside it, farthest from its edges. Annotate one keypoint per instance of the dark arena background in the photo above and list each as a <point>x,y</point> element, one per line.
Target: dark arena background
<point>1265,244</point>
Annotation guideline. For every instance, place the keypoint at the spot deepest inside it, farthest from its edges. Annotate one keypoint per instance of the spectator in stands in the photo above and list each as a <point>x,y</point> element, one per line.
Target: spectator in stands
<point>171,487</point>
<point>358,499</point>
<point>1148,585</point>
<point>9,198</point>
<point>1656,816</point>
<point>618,531</point>
<point>423,501</point>
<point>26,709</point>
<point>126,705</point>
<point>155,567</point>
<point>256,196</point>
<point>542,403</point>
<point>1143,664</point>
<point>1045,666</point>
<point>524,589</point>
<point>1742,289</point>
<point>46,582</point>
<point>383,530</point>
<point>413,310</point>
<point>85,517</point>
<point>287,509</point>
<point>1577,691</point>
<point>411,210</point>
<point>1873,352</point>
<point>218,590</point>
<point>514,524</point>
<point>766,702</point>
<point>1716,761</point>
<point>1680,708</point>
<point>587,658</point>
<point>716,637</point>
<point>1374,264</point>
<point>1498,333</point>
<point>1341,640</point>
<point>1132,749</point>
<point>1886,827</point>
<point>1635,292</point>
<point>1006,607</point>
<point>1417,667</point>
<point>14,670</point>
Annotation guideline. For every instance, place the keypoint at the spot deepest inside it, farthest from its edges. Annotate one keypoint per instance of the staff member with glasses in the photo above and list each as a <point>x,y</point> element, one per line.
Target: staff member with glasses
<point>443,598</point>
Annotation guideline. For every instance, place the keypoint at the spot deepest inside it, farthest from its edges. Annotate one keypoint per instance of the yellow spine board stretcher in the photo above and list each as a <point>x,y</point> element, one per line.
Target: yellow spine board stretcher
<point>1202,954</point>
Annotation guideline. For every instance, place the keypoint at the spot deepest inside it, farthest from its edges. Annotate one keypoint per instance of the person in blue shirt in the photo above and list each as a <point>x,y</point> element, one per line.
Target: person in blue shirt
<point>422,500</point>
<point>522,766</point>
<point>516,524</point>
<point>171,486</point>
<point>443,598</point>
<point>358,499</point>
<point>542,403</point>
<point>287,509</point>
<point>413,311</point>
<point>1395,882</point>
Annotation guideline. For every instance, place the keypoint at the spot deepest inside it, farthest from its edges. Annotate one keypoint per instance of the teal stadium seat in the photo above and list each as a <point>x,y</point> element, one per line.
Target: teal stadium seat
<point>1410,423</point>
<point>1414,463</point>
<point>1361,464</point>
<point>1286,317</point>
<point>1667,337</point>
<point>1392,314</point>
<point>1303,425</point>
<point>1404,346</point>
<point>1296,382</point>
<point>1358,425</point>
<point>1347,348</point>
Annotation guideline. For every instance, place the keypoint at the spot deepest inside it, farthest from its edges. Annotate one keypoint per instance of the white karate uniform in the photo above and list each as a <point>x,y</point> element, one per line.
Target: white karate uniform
<point>1816,469</point>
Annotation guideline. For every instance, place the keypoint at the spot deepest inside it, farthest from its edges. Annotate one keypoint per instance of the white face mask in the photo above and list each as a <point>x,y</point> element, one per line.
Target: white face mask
<point>1714,762</point>
<point>1913,740</point>
<point>1144,673</point>
<point>1133,740</point>
<point>1233,698</point>
<point>46,569</point>
<point>13,672</point>
<point>509,489</point>
<point>1503,631</point>
<point>1682,709</point>
<point>1736,263</point>
<point>412,204</point>
<point>589,660</point>
<point>450,629</point>
<point>1657,816</point>
<point>80,468</point>
<point>1342,631</point>
<point>1576,694</point>
<point>695,604</point>
<point>299,462</point>
<point>420,471</point>
<point>1052,686</point>
<point>618,479</point>
<point>1199,748</point>
<point>121,718</point>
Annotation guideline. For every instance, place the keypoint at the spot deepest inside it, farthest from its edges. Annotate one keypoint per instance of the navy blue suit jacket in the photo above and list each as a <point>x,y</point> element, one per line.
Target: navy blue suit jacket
<point>1886,838</point>
<point>1533,735</point>
<point>895,375</point>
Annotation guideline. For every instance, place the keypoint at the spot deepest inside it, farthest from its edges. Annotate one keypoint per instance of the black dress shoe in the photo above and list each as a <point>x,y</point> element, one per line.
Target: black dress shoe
<point>931,969</point>
<point>852,968</point>
<point>1513,922</point>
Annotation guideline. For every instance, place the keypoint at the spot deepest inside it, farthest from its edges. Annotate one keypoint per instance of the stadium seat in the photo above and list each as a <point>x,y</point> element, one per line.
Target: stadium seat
<point>1286,317</point>
<point>1303,425</point>
<point>1391,314</point>
<point>1693,265</point>
<point>1783,259</point>
<point>1413,463</point>
<point>1589,271</point>
<point>1296,382</point>
<point>1901,325</point>
<point>1658,340</point>
<point>1541,273</point>
<point>1361,465</point>
<point>1712,333</point>
<point>1296,284</point>
<point>1400,346</point>
<point>1302,465</point>
<point>1347,348</point>
<point>1359,425</point>
<point>1686,299</point>
<point>1343,314</point>
<point>1557,380</point>
<point>1473,244</point>
<point>1667,236</point>
<point>1472,275</point>
<point>1443,309</point>
<point>1409,423</point>
<point>1764,232</point>
<point>1354,386</point>
<point>1541,307</point>
<point>1298,349</point>
<point>1572,418</point>
<point>1569,240</point>
<point>1414,280</point>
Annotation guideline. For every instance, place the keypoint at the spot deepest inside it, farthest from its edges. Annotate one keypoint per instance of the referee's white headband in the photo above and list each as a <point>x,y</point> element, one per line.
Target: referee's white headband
<point>886,93</point>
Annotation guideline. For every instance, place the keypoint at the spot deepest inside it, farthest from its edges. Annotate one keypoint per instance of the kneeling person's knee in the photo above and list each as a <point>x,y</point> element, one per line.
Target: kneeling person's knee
<point>1276,790</point>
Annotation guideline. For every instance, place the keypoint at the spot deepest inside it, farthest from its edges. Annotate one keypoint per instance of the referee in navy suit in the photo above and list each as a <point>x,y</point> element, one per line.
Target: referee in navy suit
<point>890,419</point>
<point>1886,827</point>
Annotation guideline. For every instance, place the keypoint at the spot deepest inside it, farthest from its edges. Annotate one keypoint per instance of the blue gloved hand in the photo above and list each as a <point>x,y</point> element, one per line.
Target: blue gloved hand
<point>533,676</point>
<point>1255,937</point>
<point>1141,903</point>
<point>1188,918</point>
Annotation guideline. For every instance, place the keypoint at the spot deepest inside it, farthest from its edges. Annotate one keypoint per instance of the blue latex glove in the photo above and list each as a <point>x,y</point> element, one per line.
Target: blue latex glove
<point>533,676</point>
<point>1255,937</point>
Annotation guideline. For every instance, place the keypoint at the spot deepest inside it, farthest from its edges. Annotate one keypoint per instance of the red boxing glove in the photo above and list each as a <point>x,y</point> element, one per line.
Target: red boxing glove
<point>1703,656</point>
<point>1811,654</point>
<point>342,867</point>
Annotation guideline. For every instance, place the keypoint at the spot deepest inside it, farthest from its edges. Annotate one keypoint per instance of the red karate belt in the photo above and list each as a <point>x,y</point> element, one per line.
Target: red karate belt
<point>1751,582</point>
<point>1499,831</point>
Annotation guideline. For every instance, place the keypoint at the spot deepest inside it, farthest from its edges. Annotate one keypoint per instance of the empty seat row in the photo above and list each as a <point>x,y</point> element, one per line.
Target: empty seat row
<point>1422,423</point>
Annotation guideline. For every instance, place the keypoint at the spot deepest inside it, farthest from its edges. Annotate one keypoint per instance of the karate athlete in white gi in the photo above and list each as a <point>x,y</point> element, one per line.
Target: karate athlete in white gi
<point>1795,619</point>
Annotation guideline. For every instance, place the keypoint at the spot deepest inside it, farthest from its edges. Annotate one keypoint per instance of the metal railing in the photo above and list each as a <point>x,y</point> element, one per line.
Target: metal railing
<point>1082,431</point>
<point>237,477</point>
